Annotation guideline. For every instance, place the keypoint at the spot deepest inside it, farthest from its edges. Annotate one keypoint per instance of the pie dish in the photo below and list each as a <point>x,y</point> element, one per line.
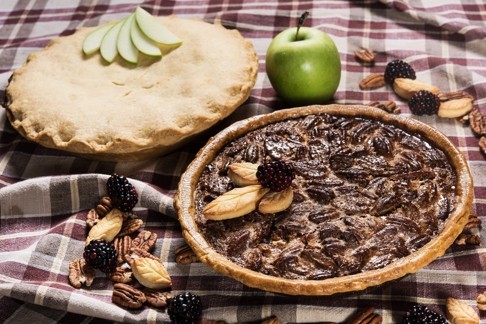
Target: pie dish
<point>376,197</point>
<point>65,100</point>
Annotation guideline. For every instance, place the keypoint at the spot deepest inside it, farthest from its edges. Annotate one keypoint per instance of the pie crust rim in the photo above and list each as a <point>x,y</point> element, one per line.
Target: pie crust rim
<point>184,204</point>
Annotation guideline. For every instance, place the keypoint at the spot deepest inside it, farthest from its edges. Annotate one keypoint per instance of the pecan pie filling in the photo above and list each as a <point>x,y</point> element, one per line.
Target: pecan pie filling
<point>366,193</point>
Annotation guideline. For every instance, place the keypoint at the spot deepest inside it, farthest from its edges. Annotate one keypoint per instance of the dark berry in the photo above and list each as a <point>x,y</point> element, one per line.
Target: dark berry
<point>101,255</point>
<point>185,308</point>
<point>398,69</point>
<point>423,315</point>
<point>276,175</point>
<point>424,102</point>
<point>121,192</point>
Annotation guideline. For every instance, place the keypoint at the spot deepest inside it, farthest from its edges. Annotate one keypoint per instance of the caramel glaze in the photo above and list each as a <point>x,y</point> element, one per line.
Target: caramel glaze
<point>365,194</point>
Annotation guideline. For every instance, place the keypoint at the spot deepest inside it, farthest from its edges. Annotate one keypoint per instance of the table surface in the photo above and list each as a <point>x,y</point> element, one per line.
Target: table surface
<point>45,193</point>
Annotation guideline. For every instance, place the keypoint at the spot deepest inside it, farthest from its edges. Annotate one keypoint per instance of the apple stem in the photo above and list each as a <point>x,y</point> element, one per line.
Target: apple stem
<point>300,22</point>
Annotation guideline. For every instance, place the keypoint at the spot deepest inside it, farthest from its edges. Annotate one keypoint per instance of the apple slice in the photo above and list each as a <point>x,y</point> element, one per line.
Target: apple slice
<point>142,42</point>
<point>124,43</point>
<point>108,48</point>
<point>154,30</point>
<point>92,42</point>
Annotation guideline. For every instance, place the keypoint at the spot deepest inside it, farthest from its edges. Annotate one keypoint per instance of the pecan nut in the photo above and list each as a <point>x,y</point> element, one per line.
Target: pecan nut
<point>185,255</point>
<point>136,253</point>
<point>92,218</point>
<point>468,239</point>
<point>130,226</point>
<point>157,298</point>
<point>367,316</point>
<point>365,55</point>
<point>482,144</point>
<point>446,96</point>
<point>122,246</point>
<point>477,121</point>
<point>388,106</point>
<point>127,296</point>
<point>271,320</point>
<point>104,207</point>
<point>481,301</point>
<point>145,240</point>
<point>121,275</point>
<point>372,81</point>
<point>80,273</point>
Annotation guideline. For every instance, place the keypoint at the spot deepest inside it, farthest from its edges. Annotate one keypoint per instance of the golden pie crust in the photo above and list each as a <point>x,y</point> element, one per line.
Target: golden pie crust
<point>64,100</point>
<point>185,205</point>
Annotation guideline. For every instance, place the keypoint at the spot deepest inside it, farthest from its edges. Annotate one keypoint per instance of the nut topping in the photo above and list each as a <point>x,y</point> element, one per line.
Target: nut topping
<point>405,88</point>
<point>136,253</point>
<point>145,240</point>
<point>365,55</point>
<point>458,312</point>
<point>127,296</point>
<point>121,275</point>
<point>482,144</point>
<point>372,81</point>
<point>388,106</point>
<point>157,298</point>
<point>80,273</point>
<point>185,255</point>
<point>107,228</point>
<point>446,96</point>
<point>104,207</point>
<point>368,316</point>
<point>477,121</point>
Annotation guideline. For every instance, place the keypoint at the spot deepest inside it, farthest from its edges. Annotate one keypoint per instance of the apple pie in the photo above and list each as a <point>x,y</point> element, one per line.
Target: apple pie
<point>375,197</point>
<point>65,100</point>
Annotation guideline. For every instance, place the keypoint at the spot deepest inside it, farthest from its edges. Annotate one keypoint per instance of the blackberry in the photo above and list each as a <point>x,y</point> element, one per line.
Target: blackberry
<point>421,314</point>
<point>101,255</point>
<point>424,102</point>
<point>276,175</point>
<point>185,308</point>
<point>121,192</point>
<point>398,69</point>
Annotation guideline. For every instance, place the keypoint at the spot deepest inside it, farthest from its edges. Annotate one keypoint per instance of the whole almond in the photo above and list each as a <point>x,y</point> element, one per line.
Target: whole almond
<point>405,88</point>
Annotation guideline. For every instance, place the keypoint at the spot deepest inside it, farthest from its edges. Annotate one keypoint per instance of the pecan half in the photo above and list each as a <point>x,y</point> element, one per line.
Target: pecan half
<point>122,246</point>
<point>367,316</point>
<point>185,255</point>
<point>145,240</point>
<point>157,298</point>
<point>372,81</point>
<point>92,218</point>
<point>477,121</point>
<point>474,222</point>
<point>468,239</point>
<point>481,301</point>
<point>121,275</point>
<point>135,253</point>
<point>104,207</point>
<point>470,233</point>
<point>365,55</point>
<point>127,296</point>
<point>80,273</point>
<point>388,106</point>
<point>130,226</point>
<point>446,96</point>
<point>482,144</point>
<point>271,320</point>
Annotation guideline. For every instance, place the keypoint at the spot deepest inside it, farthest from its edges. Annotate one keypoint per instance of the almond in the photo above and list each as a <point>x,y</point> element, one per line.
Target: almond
<point>455,108</point>
<point>235,203</point>
<point>274,202</point>
<point>243,173</point>
<point>405,88</point>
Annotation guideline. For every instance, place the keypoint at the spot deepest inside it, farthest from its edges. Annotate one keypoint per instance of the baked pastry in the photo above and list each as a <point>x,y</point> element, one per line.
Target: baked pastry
<point>376,196</point>
<point>65,100</point>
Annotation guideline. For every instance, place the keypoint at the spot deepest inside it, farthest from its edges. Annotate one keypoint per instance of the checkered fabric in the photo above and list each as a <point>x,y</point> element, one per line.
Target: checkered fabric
<point>45,194</point>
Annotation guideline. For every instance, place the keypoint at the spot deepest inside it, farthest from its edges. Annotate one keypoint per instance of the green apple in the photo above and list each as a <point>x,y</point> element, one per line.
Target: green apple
<point>124,43</point>
<point>303,66</point>
<point>154,30</point>
<point>142,42</point>
<point>108,48</point>
<point>92,42</point>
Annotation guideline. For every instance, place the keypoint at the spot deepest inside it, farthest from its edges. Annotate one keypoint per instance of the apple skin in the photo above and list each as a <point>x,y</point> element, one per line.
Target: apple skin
<point>304,71</point>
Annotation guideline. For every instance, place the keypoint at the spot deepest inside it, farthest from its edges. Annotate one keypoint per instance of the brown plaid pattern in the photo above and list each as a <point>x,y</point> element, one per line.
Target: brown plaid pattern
<point>45,194</point>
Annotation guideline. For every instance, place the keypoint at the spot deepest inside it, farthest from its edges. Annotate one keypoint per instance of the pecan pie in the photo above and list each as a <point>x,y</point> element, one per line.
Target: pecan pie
<point>376,196</point>
<point>65,100</point>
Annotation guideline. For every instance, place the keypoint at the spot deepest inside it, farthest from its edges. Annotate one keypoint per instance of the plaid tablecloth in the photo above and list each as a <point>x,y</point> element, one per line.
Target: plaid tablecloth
<point>45,194</point>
